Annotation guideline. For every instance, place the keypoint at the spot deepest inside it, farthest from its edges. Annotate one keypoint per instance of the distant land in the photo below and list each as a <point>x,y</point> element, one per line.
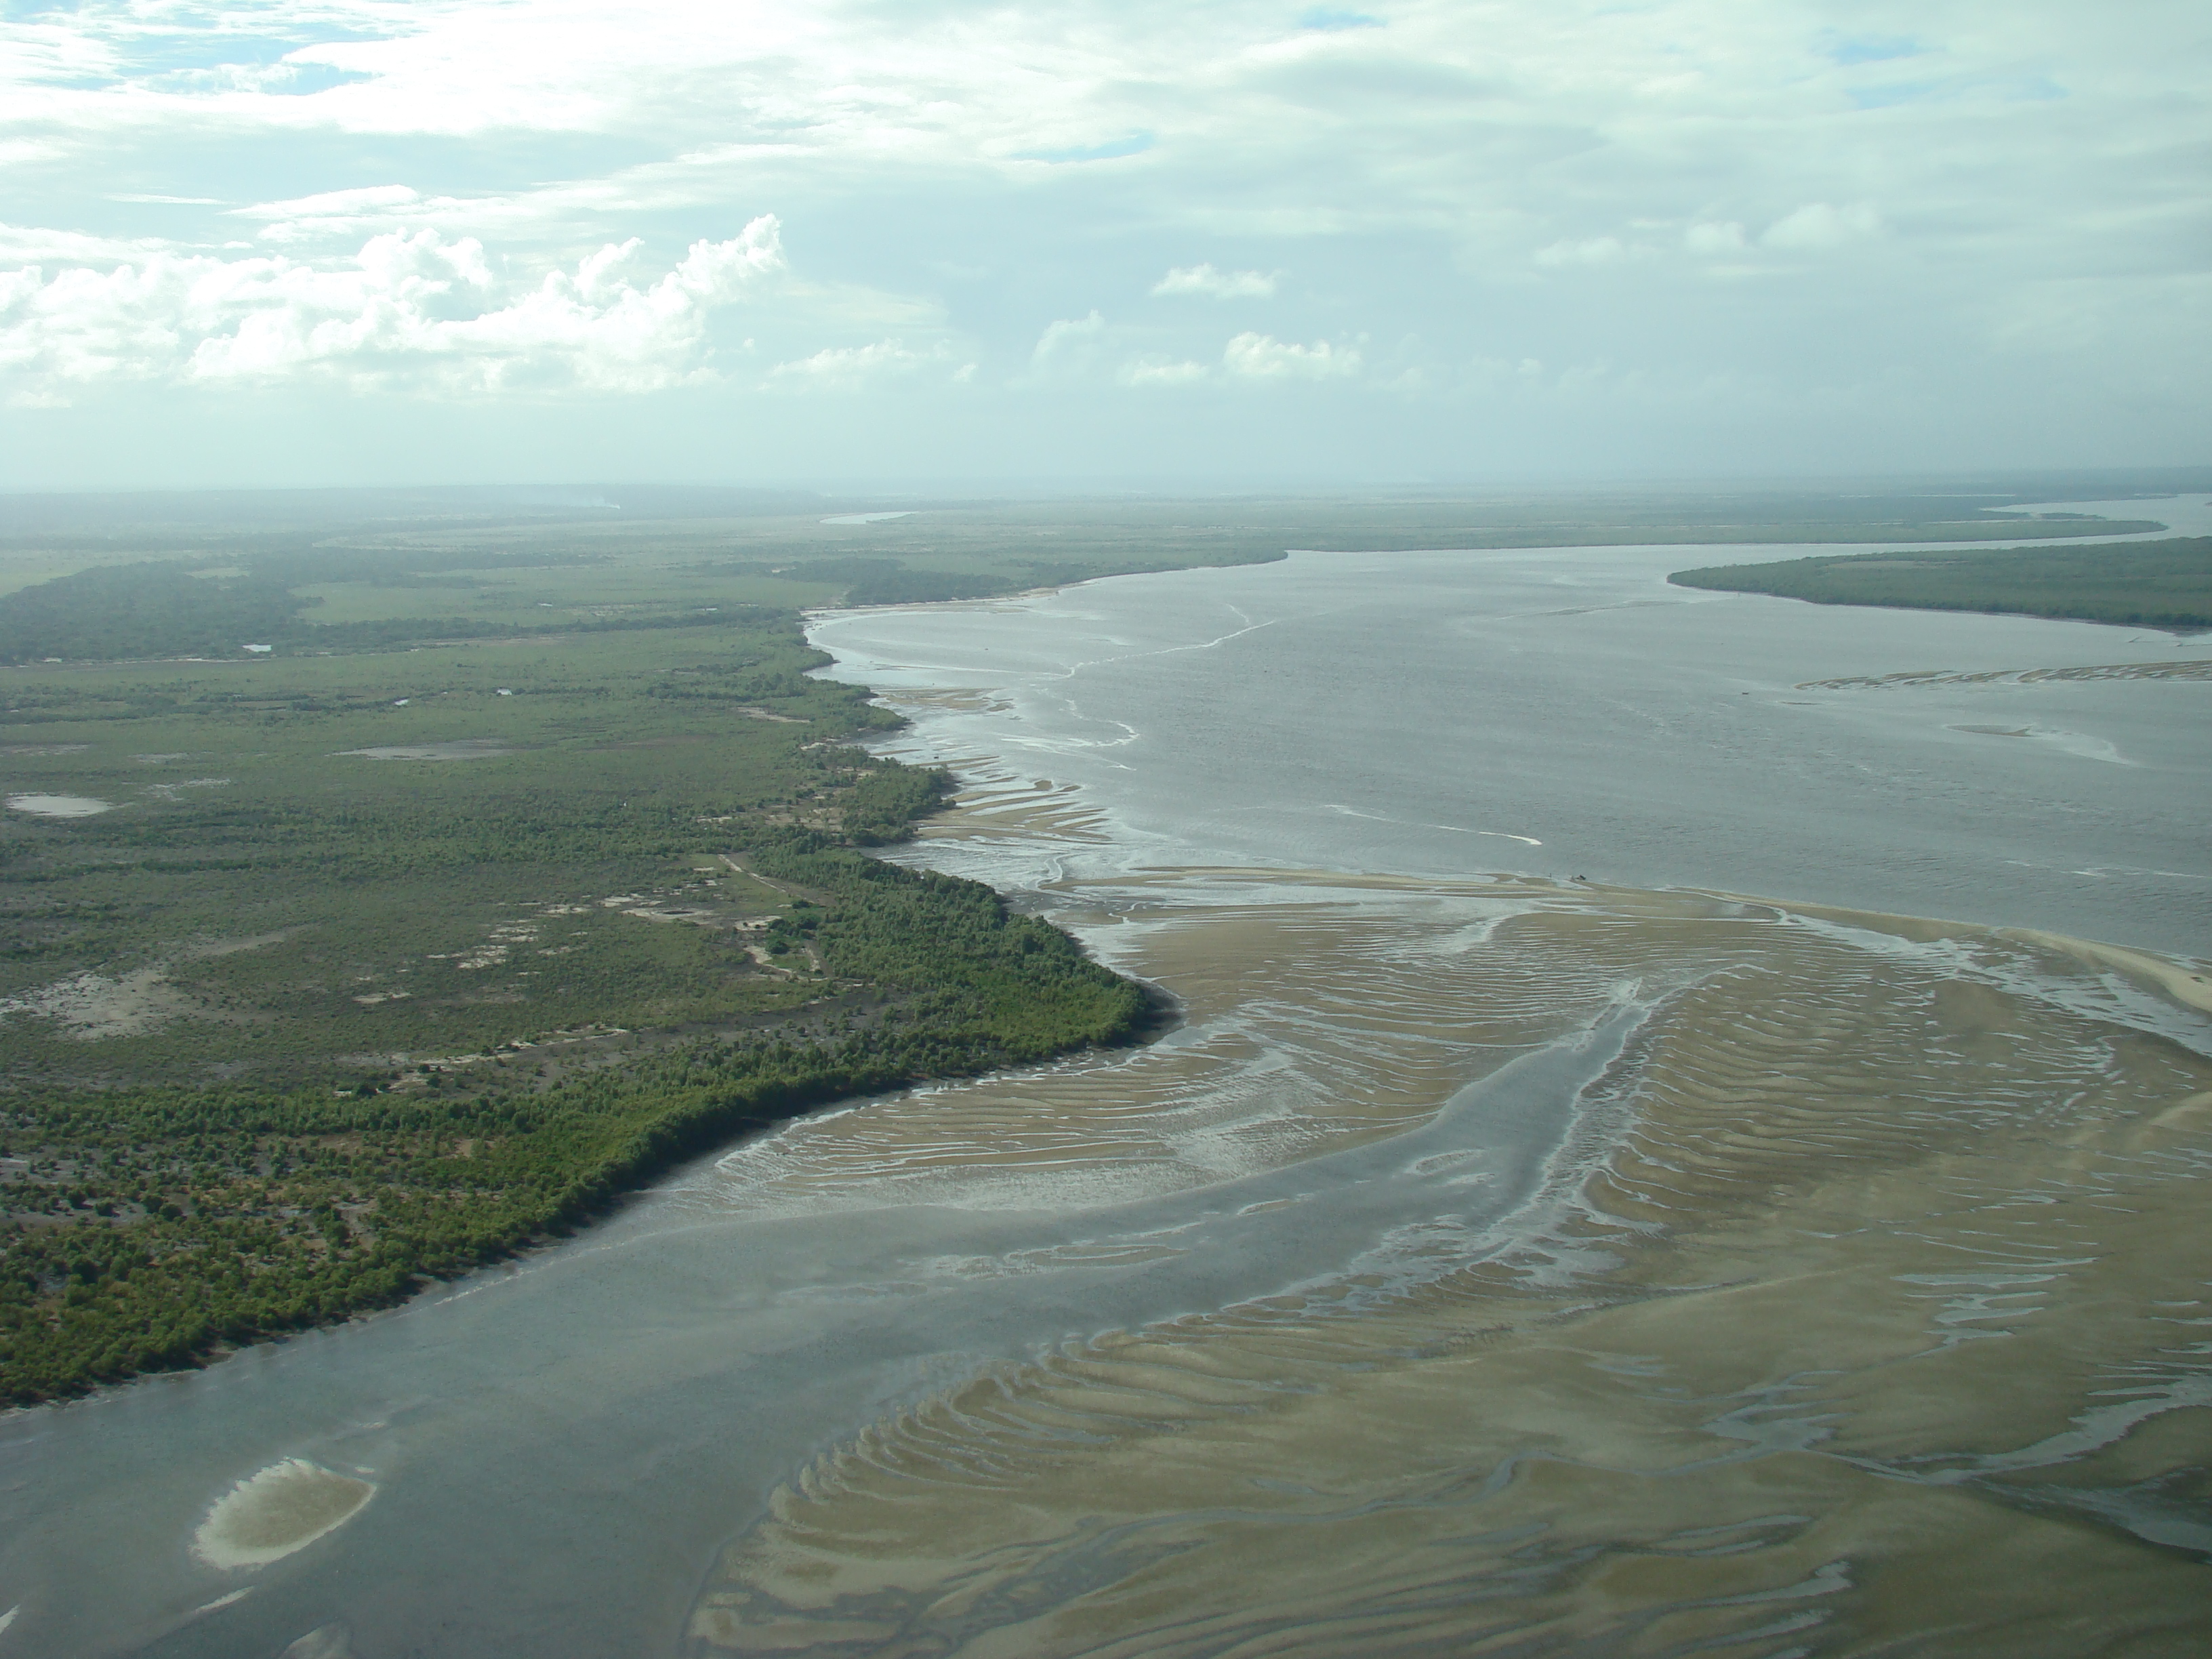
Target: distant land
<point>2161,584</point>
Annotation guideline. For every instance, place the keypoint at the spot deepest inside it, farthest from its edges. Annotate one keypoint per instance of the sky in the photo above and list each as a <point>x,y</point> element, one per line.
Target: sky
<point>404,241</point>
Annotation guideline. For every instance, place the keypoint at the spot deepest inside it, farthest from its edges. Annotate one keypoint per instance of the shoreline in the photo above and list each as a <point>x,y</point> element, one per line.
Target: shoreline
<point>1809,1272</point>
<point>1864,1309</point>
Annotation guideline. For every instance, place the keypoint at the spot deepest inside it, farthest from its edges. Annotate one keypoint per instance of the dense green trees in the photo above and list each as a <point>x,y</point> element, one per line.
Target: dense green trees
<point>418,1013</point>
<point>2161,584</point>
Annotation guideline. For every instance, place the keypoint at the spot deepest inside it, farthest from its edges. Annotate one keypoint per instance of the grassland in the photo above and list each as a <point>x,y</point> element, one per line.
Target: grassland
<point>2158,584</point>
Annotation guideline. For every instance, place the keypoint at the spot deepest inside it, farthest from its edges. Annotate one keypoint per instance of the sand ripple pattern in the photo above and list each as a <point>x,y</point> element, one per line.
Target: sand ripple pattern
<point>1865,1309</point>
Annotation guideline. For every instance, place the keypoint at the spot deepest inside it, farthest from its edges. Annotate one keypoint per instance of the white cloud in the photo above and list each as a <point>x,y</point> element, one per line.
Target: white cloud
<point>853,366</point>
<point>410,311</point>
<point>1262,357</point>
<point>1495,180</point>
<point>1068,338</point>
<point>333,203</point>
<point>1152,372</point>
<point>22,152</point>
<point>1818,225</point>
<point>1217,284</point>
<point>1714,240</point>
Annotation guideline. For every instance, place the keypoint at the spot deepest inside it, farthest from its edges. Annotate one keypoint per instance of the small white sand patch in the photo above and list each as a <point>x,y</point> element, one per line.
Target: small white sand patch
<point>89,1006</point>
<point>9,1617</point>
<point>60,807</point>
<point>169,790</point>
<point>324,1641</point>
<point>459,750</point>
<point>285,1508</point>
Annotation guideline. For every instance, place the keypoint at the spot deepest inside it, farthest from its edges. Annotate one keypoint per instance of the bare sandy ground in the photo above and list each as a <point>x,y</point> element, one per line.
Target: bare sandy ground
<point>1866,1315</point>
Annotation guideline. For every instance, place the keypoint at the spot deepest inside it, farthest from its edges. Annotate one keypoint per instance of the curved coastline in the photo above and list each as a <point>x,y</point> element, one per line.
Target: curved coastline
<point>1857,1307</point>
<point>1847,1249</point>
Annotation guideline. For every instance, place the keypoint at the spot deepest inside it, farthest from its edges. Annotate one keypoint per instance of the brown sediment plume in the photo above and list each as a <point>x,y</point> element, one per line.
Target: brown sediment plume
<point>1868,1312</point>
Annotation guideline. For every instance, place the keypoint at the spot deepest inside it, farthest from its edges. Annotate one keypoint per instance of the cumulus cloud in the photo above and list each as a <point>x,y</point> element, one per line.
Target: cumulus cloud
<point>1497,180</point>
<point>1217,284</point>
<point>1262,357</point>
<point>852,366</point>
<point>1068,338</point>
<point>411,310</point>
<point>1154,372</point>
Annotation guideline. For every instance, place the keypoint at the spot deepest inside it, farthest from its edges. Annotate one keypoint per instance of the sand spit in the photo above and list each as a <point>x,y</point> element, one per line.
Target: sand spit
<point>2196,669</point>
<point>1867,1311</point>
<point>269,1515</point>
<point>2188,983</point>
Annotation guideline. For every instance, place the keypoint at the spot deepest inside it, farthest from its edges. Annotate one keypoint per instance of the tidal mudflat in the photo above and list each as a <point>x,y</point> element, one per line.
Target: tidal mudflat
<point>1857,1300</point>
<point>1855,1292</point>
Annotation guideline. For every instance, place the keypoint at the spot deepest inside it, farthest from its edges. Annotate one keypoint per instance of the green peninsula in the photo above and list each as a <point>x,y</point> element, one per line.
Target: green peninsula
<point>334,967</point>
<point>2159,584</point>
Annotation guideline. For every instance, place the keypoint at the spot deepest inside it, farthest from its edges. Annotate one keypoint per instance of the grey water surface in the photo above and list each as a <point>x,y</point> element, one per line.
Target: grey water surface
<point>1569,712</point>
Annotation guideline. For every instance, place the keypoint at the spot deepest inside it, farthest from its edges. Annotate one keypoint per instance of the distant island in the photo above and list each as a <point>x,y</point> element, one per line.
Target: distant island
<point>2161,584</point>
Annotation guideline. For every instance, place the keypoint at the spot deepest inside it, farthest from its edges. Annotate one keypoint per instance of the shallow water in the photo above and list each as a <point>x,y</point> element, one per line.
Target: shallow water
<point>1564,713</point>
<point>1488,1262</point>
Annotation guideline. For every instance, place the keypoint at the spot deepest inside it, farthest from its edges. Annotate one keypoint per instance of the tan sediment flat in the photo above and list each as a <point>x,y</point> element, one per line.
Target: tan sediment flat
<point>2197,669</point>
<point>1870,1313</point>
<point>89,1007</point>
<point>281,1510</point>
<point>2185,983</point>
<point>462,749</point>
<point>1029,809</point>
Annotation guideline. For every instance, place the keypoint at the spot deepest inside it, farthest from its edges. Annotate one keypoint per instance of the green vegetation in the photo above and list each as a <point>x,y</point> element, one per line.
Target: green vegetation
<point>379,964</point>
<point>152,1225</point>
<point>2161,584</point>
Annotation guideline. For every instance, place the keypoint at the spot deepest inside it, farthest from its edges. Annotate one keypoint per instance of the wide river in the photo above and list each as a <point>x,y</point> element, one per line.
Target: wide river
<point>1586,1207</point>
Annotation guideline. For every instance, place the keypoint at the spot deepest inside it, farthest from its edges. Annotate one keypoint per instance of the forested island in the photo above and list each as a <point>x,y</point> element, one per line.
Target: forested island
<point>2160,584</point>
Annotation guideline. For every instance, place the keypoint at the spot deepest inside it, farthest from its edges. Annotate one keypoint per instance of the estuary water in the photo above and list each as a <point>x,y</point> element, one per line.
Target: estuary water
<point>1687,1131</point>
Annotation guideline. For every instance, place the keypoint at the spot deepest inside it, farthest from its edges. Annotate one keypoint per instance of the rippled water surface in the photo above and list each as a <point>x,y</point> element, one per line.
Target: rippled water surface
<point>1490,1261</point>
